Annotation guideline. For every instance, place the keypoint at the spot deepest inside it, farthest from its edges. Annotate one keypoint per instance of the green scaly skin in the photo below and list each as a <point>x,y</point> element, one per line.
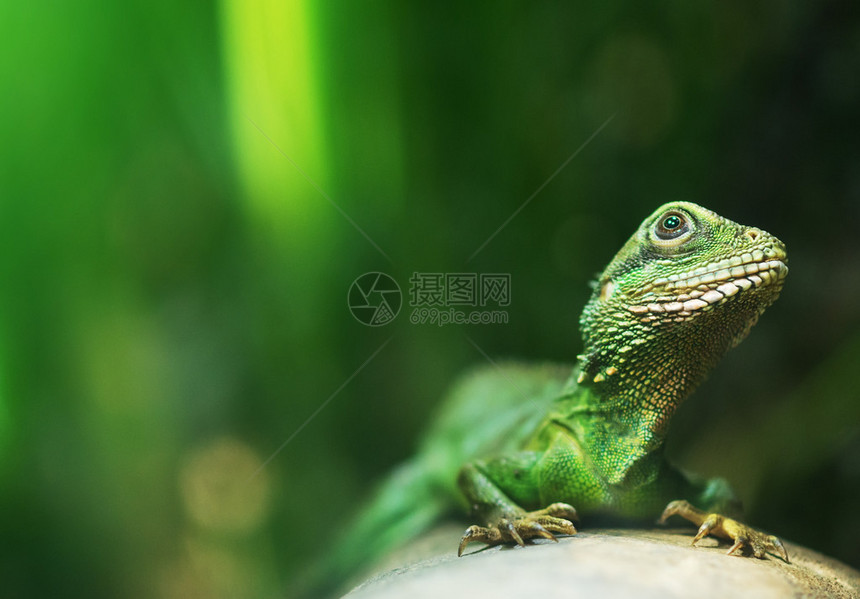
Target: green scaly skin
<point>685,288</point>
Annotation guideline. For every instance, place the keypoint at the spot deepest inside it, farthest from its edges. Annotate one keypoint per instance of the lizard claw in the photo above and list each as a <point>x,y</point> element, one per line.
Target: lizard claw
<point>742,536</point>
<point>541,523</point>
<point>478,533</point>
<point>507,527</point>
<point>540,531</point>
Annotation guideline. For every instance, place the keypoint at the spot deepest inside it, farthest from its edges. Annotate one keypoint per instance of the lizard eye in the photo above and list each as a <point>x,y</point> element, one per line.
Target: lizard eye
<point>671,227</point>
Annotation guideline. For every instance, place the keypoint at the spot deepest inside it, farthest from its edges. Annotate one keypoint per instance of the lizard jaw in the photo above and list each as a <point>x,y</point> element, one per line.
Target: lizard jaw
<point>707,286</point>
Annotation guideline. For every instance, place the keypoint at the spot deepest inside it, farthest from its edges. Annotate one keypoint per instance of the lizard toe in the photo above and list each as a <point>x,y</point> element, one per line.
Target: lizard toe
<point>518,529</point>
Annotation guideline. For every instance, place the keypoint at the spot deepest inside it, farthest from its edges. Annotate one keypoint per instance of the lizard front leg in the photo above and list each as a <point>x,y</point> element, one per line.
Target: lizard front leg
<point>495,490</point>
<point>727,528</point>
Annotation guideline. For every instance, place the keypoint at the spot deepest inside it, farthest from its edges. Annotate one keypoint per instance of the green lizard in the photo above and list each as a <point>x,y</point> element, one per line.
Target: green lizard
<point>520,445</point>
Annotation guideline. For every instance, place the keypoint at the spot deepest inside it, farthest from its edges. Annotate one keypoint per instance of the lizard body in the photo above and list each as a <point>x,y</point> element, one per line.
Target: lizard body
<point>519,446</point>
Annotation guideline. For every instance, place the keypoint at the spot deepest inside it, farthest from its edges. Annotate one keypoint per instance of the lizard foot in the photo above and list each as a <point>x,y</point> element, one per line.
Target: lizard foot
<point>720,526</point>
<point>555,518</point>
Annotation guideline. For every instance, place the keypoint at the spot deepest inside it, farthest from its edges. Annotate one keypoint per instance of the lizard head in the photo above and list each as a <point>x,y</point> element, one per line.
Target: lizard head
<point>686,287</point>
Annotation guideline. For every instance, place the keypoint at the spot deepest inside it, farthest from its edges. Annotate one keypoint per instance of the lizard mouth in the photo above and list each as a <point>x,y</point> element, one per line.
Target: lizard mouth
<point>710,285</point>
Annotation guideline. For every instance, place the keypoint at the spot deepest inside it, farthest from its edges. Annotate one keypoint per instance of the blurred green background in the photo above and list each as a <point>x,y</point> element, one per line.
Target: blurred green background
<point>175,255</point>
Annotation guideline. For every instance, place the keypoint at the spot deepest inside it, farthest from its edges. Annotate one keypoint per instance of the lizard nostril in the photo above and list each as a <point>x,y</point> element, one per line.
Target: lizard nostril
<point>752,234</point>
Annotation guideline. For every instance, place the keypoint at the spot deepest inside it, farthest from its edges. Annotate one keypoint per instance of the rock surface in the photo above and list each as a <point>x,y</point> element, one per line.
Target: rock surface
<point>605,563</point>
